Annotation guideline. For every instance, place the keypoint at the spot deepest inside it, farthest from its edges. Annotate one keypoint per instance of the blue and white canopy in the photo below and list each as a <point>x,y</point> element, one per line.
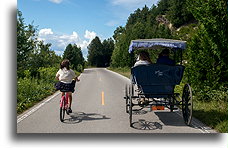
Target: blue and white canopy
<point>153,43</point>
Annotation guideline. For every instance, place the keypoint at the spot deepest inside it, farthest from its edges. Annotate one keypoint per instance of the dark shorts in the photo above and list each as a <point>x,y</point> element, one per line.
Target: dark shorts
<point>65,87</point>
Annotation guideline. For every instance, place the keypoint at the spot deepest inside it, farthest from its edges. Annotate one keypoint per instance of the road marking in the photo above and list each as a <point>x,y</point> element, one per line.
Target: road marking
<point>35,108</point>
<point>196,125</point>
<point>102,98</point>
<point>200,127</point>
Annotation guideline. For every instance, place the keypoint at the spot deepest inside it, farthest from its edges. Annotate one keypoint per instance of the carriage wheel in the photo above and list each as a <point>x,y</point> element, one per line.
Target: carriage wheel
<point>187,104</point>
<point>130,111</point>
<point>127,98</point>
<point>131,103</point>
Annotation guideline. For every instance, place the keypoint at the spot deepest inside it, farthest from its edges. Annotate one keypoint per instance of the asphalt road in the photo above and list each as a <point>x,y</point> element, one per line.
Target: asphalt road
<point>98,107</point>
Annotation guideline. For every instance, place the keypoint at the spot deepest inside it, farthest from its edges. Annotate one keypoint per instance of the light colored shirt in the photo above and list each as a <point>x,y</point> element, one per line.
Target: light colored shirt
<point>65,76</point>
<point>141,62</point>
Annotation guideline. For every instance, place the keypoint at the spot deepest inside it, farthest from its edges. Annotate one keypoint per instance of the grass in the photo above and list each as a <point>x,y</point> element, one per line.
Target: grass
<point>212,113</point>
<point>30,91</point>
<point>125,71</point>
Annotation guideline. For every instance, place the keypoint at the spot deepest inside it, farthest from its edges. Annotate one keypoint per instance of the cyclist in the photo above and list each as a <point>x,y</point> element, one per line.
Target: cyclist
<point>67,79</point>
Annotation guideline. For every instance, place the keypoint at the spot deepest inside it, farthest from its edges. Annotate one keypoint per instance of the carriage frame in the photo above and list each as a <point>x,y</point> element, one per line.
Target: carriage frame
<point>155,83</point>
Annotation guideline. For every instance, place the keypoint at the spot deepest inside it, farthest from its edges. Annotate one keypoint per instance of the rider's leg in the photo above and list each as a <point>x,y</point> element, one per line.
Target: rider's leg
<point>70,98</point>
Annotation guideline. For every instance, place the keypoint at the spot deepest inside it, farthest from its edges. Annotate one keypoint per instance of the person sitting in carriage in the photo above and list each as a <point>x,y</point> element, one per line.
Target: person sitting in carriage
<point>163,58</point>
<point>143,59</point>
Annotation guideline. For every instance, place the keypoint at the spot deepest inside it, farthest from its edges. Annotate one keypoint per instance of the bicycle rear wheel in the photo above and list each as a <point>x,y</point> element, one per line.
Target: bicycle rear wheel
<point>62,109</point>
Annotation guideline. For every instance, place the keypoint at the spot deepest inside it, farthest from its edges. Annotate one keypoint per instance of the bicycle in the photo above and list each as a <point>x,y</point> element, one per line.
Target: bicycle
<point>63,106</point>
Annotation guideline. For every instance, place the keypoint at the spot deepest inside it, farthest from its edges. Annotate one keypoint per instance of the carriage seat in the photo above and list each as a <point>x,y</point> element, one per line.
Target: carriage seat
<point>157,79</point>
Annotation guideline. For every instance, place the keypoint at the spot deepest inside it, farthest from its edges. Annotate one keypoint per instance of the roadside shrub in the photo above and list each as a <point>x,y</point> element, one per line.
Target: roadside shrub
<point>79,68</point>
<point>47,73</point>
<point>32,90</point>
<point>209,94</point>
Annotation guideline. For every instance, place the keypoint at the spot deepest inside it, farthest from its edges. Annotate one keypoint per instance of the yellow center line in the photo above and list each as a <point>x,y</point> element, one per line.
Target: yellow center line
<point>102,98</point>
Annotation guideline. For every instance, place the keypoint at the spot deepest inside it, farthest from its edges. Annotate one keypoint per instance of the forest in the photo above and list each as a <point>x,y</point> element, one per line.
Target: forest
<point>202,23</point>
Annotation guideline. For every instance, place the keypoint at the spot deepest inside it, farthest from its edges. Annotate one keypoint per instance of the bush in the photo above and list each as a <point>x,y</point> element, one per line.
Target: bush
<point>208,94</point>
<point>32,90</point>
<point>79,68</point>
<point>47,74</point>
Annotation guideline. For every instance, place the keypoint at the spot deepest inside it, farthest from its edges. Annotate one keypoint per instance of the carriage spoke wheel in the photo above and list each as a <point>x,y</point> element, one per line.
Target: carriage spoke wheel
<point>131,103</point>
<point>127,98</point>
<point>130,112</point>
<point>187,104</point>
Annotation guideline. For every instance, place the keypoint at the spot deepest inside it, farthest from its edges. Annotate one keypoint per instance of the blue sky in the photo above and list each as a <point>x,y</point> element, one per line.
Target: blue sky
<point>61,22</point>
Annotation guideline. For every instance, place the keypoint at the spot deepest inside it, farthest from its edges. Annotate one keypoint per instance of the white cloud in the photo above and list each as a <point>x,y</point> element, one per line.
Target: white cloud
<point>45,31</point>
<point>84,44</point>
<point>60,41</point>
<point>69,38</point>
<point>56,1</point>
<point>89,35</point>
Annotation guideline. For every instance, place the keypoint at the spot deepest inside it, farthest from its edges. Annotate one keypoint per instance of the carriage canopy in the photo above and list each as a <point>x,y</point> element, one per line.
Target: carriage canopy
<point>155,43</point>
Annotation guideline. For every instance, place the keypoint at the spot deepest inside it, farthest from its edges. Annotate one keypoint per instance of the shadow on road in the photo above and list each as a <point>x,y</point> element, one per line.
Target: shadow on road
<point>142,124</point>
<point>139,112</point>
<point>170,118</point>
<point>77,117</point>
<point>146,125</point>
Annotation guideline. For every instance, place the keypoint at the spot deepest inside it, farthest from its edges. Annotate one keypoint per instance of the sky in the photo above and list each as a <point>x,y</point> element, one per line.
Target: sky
<point>8,128</point>
<point>61,22</point>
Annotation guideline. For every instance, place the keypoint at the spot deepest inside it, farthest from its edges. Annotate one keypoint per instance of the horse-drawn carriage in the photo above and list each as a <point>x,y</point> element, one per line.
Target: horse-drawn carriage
<point>155,83</point>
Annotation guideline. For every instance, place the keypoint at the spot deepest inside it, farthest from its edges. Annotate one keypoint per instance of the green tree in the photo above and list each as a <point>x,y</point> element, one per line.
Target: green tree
<point>95,56</point>
<point>108,47</point>
<point>74,54</point>
<point>42,57</point>
<point>137,31</point>
<point>207,69</point>
<point>178,13</point>
<point>119,30</point>
<point>26,43</point>
<point>120,56</point>
<point>163,6</point>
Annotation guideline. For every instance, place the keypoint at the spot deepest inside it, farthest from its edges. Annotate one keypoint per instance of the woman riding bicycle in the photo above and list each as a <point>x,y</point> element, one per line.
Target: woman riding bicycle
<point>67,79</point>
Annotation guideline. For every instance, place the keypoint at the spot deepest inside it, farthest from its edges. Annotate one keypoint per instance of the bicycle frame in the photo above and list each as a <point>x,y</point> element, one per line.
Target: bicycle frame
<point>65,99</point>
